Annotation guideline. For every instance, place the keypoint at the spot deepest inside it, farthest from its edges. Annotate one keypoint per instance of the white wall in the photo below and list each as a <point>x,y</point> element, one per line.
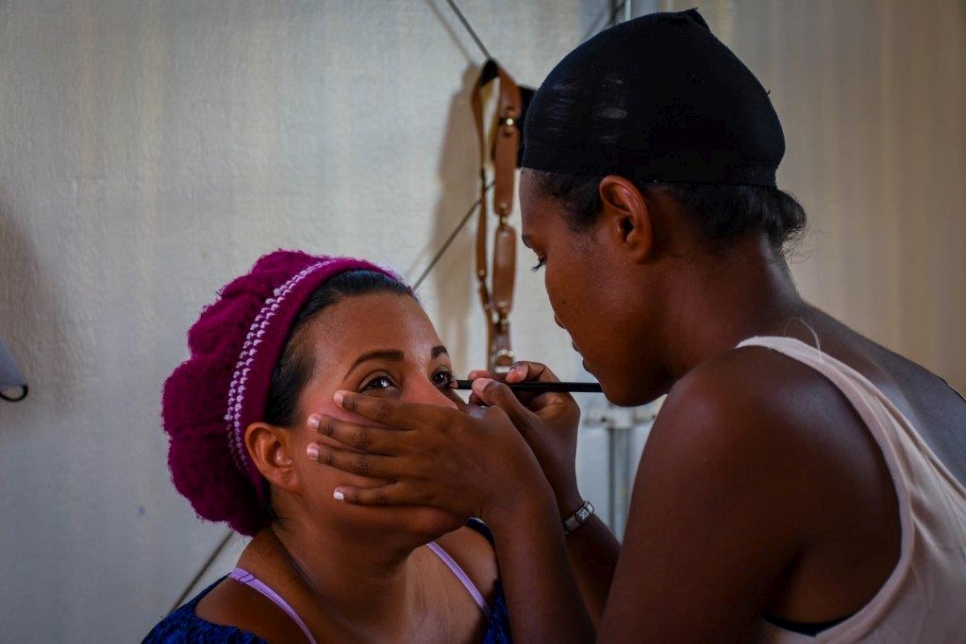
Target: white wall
<point>151,150</point>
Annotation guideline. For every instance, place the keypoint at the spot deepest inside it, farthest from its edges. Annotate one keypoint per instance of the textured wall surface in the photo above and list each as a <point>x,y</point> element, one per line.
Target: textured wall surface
<point>151,150</point>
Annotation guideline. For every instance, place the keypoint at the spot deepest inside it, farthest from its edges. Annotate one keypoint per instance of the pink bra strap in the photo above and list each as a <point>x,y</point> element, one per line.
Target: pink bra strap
<point>243,576</point>
<point>462,576</point>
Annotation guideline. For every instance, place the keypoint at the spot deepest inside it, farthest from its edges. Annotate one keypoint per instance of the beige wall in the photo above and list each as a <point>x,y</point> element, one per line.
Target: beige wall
<point>150,150</point>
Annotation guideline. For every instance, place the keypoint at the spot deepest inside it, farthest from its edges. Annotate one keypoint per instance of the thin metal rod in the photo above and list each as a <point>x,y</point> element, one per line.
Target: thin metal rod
<point>618,7</point>
<point>449,240</point>
<point>610,10</point>
<point>201,571</point>
<point>466,25</point>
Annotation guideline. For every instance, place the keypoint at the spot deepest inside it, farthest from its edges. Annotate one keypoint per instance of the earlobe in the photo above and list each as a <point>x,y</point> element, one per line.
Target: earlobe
<point>270,448</point>
<point>628,217</point>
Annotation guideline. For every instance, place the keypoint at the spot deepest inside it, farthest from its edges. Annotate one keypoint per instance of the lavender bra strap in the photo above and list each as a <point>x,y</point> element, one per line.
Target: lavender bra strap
<point>462,576</point>
<point>243,576</point>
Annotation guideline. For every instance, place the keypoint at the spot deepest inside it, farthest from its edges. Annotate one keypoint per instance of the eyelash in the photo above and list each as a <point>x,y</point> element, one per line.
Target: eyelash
<point>371,383</point>
<point>540,264</point>
<point>446,373</point>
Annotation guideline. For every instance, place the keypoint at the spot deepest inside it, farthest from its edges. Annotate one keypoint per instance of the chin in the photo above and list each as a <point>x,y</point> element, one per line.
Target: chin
<point>627,399</point>
<point>633,393</point>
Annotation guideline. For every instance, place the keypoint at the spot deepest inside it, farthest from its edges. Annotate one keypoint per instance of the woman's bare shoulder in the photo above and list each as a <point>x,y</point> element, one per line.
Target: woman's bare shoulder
<point>231,603</point>
<point>755,411</point>
<point>751,463</point>
<point>474,553</point>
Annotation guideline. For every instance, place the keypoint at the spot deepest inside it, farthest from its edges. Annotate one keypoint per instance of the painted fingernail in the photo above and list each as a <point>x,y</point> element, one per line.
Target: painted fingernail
<point>338,495</point>
<point>313,451</point>
<point>314,421</point>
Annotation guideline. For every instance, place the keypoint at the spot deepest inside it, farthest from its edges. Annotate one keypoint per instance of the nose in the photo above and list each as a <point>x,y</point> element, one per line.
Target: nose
<point>556,321</point>
<point>422,390</point>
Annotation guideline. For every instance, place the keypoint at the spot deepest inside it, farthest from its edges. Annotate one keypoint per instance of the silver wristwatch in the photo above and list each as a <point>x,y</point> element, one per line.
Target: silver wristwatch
<point>578,518</point>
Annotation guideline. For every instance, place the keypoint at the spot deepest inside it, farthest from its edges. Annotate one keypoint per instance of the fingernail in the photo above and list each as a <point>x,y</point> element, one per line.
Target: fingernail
<point>480,384</point>
<point>338,397</point>
<point>313,451</point>
<point>338,495</point>
<point>314,421</point>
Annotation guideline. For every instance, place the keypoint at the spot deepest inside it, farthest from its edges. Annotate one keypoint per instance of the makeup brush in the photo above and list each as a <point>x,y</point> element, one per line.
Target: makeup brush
<point>540,387</point>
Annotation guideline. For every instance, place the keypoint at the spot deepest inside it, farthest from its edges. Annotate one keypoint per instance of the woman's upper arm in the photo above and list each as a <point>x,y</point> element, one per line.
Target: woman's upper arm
<point>712,521</point>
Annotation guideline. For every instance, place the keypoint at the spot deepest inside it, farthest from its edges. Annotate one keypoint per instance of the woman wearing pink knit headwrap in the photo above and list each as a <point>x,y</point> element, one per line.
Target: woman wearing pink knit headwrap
<point>279,341</point>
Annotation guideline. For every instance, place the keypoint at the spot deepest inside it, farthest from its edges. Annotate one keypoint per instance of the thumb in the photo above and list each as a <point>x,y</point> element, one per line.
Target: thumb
<point>494,393</point>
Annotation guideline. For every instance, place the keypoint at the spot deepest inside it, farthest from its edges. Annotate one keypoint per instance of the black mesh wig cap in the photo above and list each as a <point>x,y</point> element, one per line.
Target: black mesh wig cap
<point>655,98</point>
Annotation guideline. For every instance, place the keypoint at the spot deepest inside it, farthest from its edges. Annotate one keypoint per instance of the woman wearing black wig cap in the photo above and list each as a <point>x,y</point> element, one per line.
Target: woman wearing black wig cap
<point>799,480</point>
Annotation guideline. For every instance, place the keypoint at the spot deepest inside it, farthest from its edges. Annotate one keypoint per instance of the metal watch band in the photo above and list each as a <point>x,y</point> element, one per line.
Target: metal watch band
<point>578,518</point>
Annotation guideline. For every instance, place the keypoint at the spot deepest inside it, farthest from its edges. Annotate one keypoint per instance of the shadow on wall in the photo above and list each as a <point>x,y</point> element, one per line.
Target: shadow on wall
<point>30,319</point>
<point>453,277</point>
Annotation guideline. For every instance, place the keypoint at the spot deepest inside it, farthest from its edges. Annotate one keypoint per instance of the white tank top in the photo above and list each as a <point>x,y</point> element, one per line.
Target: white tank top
<point>924,599</point>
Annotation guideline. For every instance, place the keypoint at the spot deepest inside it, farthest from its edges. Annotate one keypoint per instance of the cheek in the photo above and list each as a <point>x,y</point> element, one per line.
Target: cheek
<point>552,281</point>
<point>423,391</point>
<point>568,293</point>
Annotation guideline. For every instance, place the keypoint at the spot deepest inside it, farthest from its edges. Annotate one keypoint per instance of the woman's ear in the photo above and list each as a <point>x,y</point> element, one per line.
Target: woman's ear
<point>626,218</point>
<point>270,448</point>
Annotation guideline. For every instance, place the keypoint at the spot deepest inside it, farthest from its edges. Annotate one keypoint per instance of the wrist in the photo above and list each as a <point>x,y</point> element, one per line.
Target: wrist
<point>536,505</point>
<point>578,518</point>
<point>568,499</point>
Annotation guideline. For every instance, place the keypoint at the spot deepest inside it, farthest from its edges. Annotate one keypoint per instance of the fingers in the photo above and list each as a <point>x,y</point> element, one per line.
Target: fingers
<point>519,371</point>
<point>368,465</point>
<point>378,496</point>
<point>524,370</point>
<point>483,373</point>
<point>394,413</point>
<point>494,393</point>
<point>384,495</point>
<point>376,440</point>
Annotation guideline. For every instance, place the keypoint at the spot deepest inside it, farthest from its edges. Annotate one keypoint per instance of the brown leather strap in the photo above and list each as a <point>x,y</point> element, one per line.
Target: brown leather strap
<point>496,296</point>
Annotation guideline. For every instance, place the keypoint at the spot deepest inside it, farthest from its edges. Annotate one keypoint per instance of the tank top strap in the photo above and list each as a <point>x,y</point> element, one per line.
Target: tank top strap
<point>461,575</point>
<point>243,576</point>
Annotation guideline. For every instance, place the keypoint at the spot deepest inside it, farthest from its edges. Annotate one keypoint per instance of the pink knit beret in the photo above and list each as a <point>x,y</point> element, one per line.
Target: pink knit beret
<point>212,397</point>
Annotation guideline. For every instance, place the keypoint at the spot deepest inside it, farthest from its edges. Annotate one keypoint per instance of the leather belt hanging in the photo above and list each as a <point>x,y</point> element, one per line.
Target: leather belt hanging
<point>496,296</point>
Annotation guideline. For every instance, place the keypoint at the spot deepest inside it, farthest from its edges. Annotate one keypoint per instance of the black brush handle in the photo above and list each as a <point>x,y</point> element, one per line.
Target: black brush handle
<point>534,386</point>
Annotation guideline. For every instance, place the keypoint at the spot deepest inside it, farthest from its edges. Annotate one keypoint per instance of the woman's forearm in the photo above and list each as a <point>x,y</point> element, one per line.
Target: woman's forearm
<point>593,552</point>
<point>543,597</point>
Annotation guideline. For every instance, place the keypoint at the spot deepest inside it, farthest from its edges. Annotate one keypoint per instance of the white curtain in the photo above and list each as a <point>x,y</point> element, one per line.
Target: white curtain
<point>872,97</point>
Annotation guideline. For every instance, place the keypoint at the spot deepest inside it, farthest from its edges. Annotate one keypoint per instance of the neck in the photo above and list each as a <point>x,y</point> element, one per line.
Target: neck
<point>747,292</point>
<point>332,578</point>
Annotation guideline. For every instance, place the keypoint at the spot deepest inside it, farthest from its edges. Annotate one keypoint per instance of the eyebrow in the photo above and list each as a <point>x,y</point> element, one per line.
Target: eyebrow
<point>391,355</point>
<point>526,240</point>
